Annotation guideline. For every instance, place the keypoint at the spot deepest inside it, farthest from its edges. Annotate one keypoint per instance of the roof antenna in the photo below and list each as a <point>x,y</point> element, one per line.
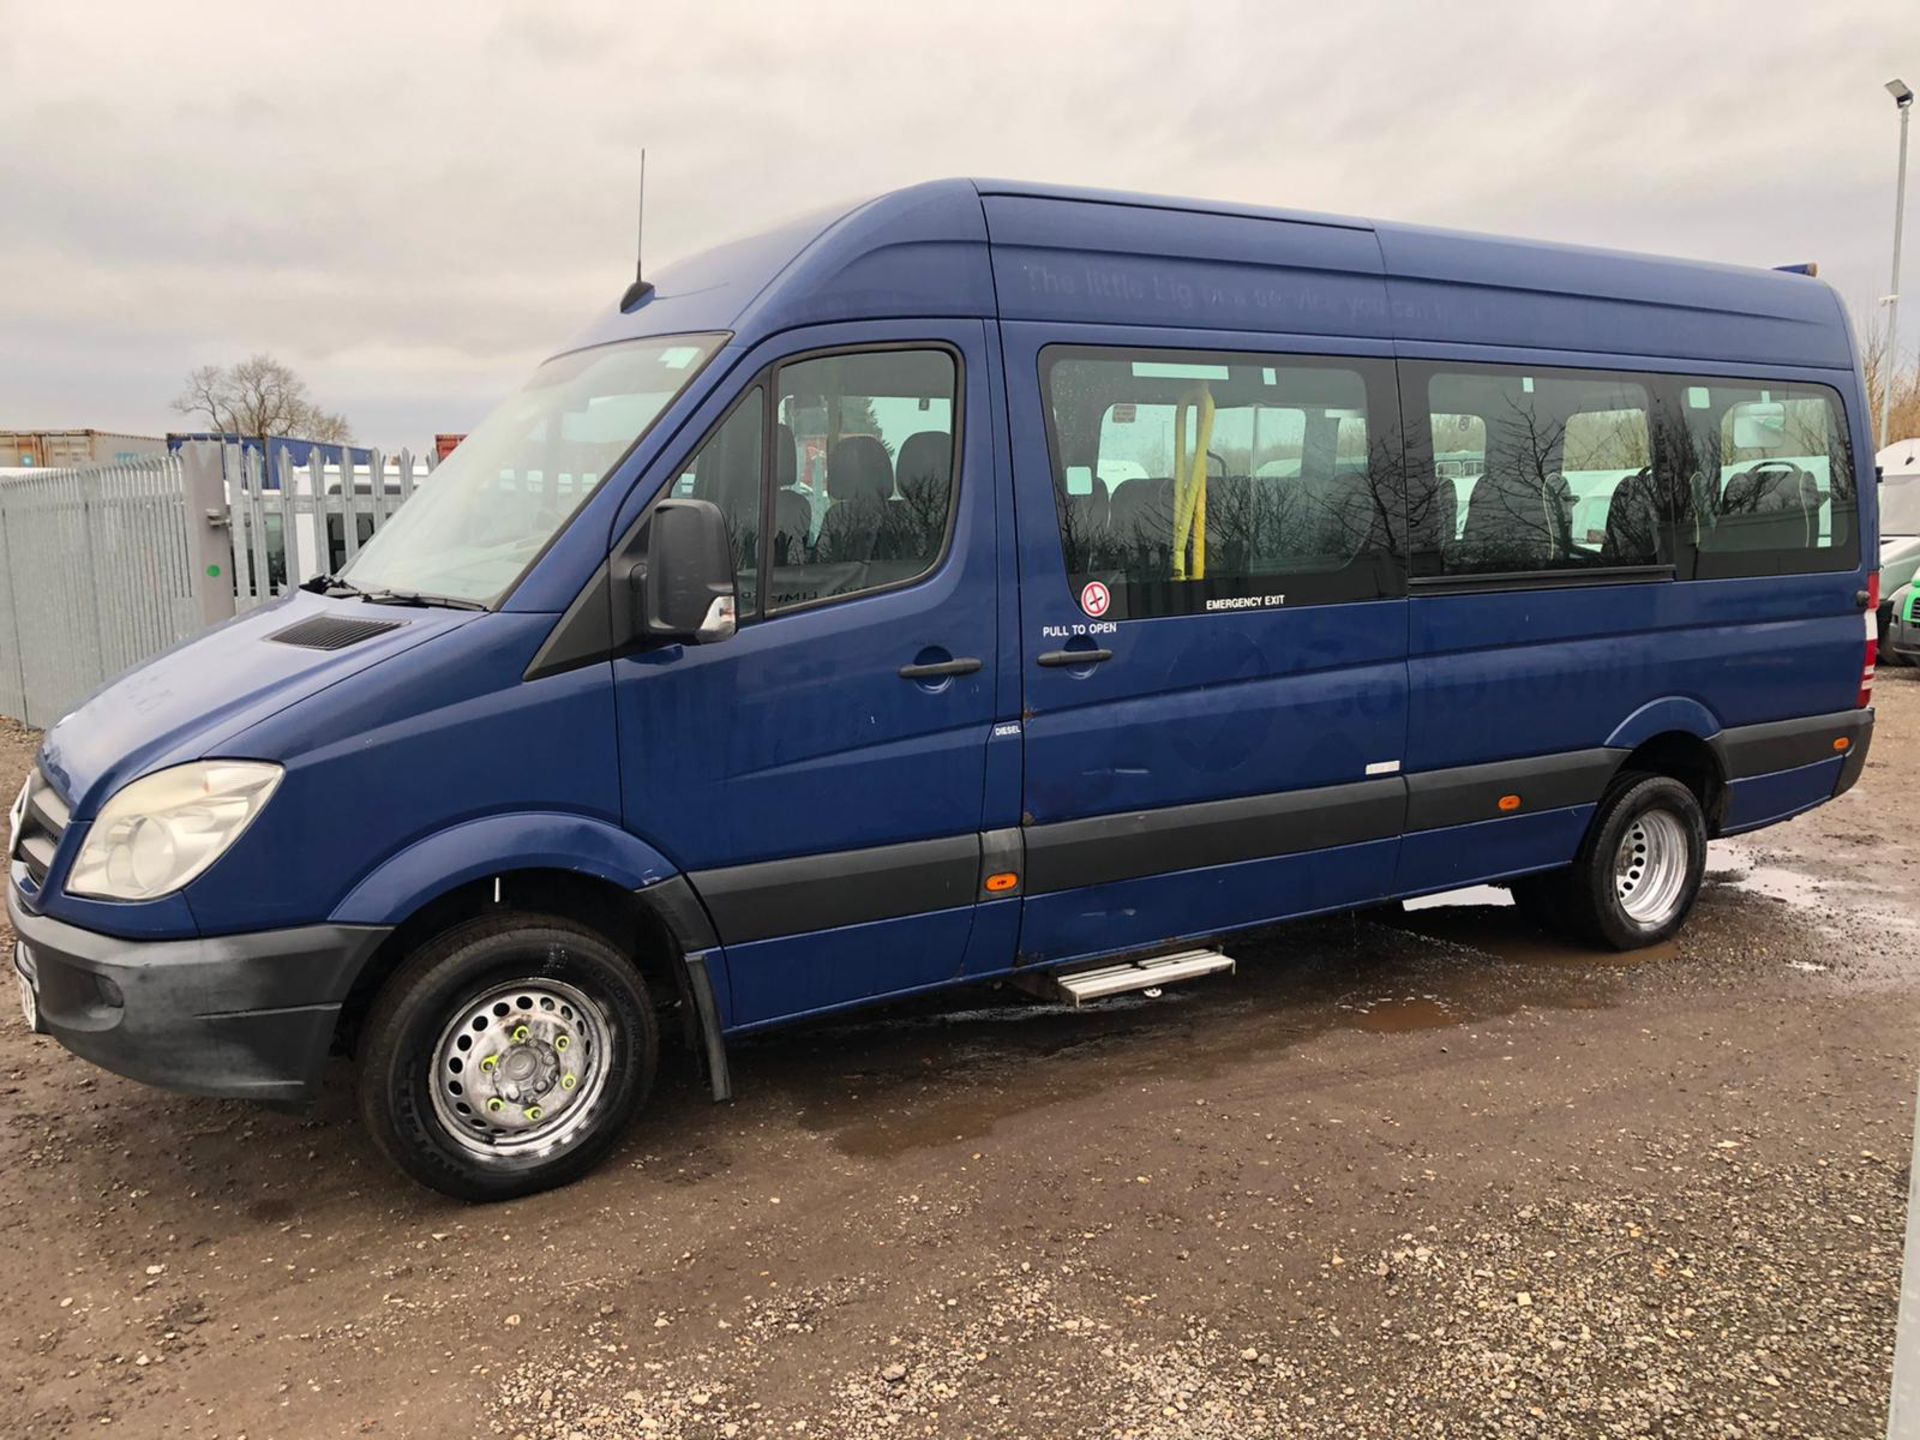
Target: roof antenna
<point>641,287</point>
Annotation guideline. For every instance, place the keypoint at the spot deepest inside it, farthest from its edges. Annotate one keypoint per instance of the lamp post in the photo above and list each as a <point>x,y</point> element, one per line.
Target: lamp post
<point>1903,98</point>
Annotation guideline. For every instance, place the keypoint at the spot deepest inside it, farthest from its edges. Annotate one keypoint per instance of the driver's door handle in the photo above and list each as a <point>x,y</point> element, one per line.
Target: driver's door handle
<point>939,669</point>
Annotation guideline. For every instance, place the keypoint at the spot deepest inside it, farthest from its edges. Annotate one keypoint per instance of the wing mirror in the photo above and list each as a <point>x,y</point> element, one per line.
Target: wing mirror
<point>684,588</point>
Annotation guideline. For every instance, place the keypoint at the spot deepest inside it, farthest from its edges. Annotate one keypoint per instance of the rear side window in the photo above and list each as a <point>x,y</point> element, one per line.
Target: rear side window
<point>1763,475</point>
<point>1533,471</point>
<point>1186,482</point>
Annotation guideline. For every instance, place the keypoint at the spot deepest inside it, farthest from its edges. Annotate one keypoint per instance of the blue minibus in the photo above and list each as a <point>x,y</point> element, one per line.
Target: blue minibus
<point>986,582</point>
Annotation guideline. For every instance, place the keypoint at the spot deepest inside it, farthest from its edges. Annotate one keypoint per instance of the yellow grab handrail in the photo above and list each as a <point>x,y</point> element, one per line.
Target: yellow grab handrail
<point>1190,483</point>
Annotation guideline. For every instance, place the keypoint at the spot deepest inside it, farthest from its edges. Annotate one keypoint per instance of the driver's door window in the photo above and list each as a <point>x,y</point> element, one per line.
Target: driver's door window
<point>726,470</point>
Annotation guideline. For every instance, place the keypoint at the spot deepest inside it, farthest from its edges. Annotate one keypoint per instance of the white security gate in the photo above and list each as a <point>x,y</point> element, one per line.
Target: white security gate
<point>106,566</point>
<point>93,579</point>
<point>292,523</point>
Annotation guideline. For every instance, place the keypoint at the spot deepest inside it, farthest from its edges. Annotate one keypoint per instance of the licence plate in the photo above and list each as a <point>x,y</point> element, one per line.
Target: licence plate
<point>29,1002</point>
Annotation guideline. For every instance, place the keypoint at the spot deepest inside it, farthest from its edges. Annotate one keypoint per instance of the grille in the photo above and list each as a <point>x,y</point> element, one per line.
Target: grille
<point>41,827</point>
<point>332,632</point>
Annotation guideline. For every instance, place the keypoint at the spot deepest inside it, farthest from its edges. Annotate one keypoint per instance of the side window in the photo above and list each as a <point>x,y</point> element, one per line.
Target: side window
<point>1192,482</point>
<point>864,458</point>
<point>1765,477</point>
<point>726,469</point>
<point>1534,471</point>
<point>1459,457</point>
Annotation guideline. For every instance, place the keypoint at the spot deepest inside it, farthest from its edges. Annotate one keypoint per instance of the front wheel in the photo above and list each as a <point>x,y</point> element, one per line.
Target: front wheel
<point>1639,868</point>
<point>506,1057</point>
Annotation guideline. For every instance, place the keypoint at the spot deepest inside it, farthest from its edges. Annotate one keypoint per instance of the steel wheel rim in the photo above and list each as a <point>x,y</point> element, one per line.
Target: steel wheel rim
<point>1650,867</point>
<point>519,1070</point>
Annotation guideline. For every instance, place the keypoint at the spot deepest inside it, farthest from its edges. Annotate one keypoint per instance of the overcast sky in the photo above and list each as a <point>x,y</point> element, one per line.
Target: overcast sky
<point>411,203</point>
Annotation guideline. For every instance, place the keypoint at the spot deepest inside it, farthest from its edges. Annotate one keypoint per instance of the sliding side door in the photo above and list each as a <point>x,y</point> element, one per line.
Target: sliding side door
<point>1213,632</point>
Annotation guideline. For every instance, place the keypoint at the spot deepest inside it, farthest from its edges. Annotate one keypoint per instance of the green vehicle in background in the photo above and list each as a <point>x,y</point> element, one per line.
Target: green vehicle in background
<point>1900,631</point>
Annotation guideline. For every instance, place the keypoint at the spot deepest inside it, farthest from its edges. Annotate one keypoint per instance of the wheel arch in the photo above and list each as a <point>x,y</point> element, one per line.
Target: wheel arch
<point>1686,757</point>
<point>570,866</point>
<point>411,878</point>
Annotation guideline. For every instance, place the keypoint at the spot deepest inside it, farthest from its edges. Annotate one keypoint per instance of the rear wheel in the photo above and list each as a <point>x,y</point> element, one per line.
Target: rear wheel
<point>506,1057</point>
<point>1639,868</point>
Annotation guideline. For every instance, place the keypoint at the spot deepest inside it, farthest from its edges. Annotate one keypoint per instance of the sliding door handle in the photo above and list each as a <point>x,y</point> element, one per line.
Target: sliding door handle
<point>1071,659</point>
<point>939,669</point>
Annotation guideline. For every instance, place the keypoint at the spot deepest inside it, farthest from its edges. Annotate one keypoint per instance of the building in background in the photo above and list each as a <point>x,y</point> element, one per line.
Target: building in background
<point>62,449</point>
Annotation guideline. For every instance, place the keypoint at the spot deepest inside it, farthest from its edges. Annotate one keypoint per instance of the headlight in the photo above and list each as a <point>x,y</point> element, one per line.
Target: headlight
<point>17,816</point>
<point>161,831</point>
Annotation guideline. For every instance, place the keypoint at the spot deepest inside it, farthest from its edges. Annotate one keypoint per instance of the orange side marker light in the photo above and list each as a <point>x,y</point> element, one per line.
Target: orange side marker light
<point>1004,881</point>
<point>1509,803</point>
<point>1843,744</point>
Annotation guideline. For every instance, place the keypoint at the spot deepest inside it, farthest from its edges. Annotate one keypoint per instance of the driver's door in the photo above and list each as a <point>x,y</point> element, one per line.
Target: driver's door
<point>819,775</point>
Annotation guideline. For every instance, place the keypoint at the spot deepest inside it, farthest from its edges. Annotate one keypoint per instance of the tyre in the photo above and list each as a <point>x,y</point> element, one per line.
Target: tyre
<point>1638,870</point>
<point>506,1056</point>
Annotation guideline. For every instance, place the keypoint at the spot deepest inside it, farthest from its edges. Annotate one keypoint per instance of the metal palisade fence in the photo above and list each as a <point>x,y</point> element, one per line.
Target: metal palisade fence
<point>291,523</point>
<point>106,566</point>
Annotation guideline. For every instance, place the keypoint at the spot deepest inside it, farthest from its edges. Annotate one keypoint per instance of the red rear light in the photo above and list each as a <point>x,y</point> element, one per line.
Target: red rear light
<point>1873,639</point>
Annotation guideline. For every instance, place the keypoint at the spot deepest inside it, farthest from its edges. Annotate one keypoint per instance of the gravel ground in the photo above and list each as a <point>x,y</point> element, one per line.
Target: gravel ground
<point>1426,1174</point>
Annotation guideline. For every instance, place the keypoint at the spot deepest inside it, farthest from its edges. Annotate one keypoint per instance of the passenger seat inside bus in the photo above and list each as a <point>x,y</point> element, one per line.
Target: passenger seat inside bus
<point>923,478</point>
<point>1634,522</point>
<point>1518,517</point>
<point>792,510</point>
<point>1435,527</point>
<point>1773,505</point>
<point>1088,521</point>
<point>860,484</point>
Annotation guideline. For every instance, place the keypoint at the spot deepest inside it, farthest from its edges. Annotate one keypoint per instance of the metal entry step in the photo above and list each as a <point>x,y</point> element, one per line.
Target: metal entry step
<point>1083,985</point>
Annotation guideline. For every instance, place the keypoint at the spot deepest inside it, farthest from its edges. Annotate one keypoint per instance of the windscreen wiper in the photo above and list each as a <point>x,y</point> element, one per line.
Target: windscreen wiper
<point>417,599</point>
<point>331,585</point>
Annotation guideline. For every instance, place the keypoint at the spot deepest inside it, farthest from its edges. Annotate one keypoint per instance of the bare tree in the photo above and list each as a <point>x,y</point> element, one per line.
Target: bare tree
<point>260,397</point>
<point>1905,381</point>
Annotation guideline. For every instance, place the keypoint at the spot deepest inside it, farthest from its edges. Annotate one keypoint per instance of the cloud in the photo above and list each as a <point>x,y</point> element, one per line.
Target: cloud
<point>413,203</point>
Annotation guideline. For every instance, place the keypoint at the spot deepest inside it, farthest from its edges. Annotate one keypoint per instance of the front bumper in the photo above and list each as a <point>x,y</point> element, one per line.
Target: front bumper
<point>233,1016</point>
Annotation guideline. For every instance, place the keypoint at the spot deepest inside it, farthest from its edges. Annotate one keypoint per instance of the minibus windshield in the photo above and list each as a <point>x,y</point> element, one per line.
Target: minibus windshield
<point>505,491</point>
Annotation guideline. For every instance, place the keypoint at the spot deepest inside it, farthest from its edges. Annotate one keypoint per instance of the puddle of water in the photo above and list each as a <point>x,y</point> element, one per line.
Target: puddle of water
<point>1403,1015</point>
<point>1509,936</point>
<point>935,1073</point>
<point>925,1081</point>
<point>1744,871</point>
<point>1824,899</point>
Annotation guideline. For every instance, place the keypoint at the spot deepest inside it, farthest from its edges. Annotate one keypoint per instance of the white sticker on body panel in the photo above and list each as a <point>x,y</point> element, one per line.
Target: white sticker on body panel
<point>1384,767</point>
<point>1248,602</point>
<point>1069,631</point>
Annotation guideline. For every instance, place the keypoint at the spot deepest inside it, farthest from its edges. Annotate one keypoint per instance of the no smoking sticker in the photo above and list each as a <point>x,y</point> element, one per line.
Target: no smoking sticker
<point>1094,599</point>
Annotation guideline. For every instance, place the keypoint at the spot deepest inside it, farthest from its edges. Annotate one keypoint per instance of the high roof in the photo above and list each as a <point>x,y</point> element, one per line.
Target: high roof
<point>1073,255</point>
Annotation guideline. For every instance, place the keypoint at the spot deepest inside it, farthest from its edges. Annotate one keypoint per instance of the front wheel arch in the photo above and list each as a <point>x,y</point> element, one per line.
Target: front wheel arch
<point>628,920</point>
